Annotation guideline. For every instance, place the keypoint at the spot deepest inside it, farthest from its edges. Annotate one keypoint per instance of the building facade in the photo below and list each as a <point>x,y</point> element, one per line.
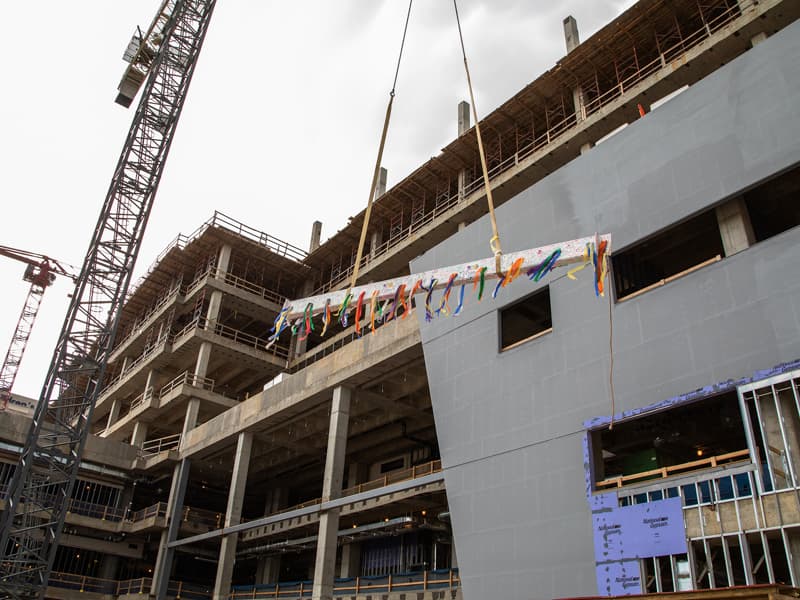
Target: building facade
<point>546,443</point>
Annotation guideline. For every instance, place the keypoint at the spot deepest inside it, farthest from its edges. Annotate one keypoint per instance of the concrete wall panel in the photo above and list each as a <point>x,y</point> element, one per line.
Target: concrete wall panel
<point>510,425</point>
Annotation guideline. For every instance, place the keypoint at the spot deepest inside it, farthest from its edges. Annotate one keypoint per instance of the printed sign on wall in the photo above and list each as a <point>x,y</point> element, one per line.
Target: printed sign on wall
<point>624,534</point>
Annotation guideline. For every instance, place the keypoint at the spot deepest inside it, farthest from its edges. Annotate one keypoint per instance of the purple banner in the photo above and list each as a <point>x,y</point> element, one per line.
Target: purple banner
<point>622,535</point>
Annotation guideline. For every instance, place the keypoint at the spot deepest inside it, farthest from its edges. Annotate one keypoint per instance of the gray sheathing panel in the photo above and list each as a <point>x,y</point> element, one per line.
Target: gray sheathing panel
<point>511,425</point>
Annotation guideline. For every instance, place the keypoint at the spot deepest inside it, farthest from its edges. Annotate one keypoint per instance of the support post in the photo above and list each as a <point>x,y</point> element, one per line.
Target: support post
<point>139,435</point>
<point>325,563</point>
<point>233,514</point>
<point>113,414</point>
<point>735,228</point>
<point>376,239</point>
<point>464,124</point>
<point>316,236</point>
<point>163,567</point>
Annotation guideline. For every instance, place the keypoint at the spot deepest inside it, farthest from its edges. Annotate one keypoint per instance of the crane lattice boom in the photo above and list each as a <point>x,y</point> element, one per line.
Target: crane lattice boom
<point>42,485</point>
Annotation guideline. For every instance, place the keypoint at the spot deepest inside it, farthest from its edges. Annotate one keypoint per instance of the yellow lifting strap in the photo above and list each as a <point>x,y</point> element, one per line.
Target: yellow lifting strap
<point>494,243</point>
<point>375,173</point>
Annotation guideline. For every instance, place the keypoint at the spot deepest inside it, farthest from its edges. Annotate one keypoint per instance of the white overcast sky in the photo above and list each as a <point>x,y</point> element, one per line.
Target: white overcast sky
<point>280,127</point>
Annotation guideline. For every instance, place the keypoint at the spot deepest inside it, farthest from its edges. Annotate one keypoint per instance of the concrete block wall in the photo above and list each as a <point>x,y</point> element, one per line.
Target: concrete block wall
<point>510,425</point>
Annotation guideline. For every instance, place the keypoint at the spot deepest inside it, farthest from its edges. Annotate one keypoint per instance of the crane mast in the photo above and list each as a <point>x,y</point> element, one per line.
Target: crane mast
<point>40,272</point>
<point>37,501</point>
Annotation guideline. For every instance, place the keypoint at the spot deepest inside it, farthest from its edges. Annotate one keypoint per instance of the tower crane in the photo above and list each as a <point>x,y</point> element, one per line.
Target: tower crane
<point>41,272</point>
<point>162,62</point>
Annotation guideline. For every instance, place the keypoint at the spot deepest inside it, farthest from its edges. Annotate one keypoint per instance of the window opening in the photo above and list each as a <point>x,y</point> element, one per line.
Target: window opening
<point>670,254</point>
<point>774,206</point>
<point>525,320</point>
<point>685,438</point>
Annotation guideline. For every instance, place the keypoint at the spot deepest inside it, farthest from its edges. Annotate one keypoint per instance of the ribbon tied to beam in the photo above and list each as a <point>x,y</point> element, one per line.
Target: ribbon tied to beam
<point>391,299</point>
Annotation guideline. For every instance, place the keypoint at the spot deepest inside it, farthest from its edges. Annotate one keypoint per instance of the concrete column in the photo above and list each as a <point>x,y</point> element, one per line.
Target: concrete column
<point>153,380</point>
<point>214,306</point>
<point>108,567</point>
<point>276,499</point>
<point>233,514</point>
<point>316,236</point>
<point>223,259</point>
<point>464,123</point>
<point>139,435</point>
<point>203,357</point>
<point>376,238</point>
<point>192,414</point>
<point>356,473</point>
<point>380,186</point>
<point>113,414</point>
<point>163,566</point>
<point>351,560</point>
<point>268,570</point>
<point>734,226</point>
<point>758,38</point>
<point>462,225</point>
<point>325,563</point>
<point>571,36</point>
<point>573,40</point>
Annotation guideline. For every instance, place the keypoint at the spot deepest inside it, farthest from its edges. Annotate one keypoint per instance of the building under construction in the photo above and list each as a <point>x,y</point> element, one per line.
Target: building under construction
<point>542,444</point>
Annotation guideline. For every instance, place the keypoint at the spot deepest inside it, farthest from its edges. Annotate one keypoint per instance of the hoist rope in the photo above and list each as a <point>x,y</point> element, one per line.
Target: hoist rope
<point>376,172</point>
<point>494,243</point>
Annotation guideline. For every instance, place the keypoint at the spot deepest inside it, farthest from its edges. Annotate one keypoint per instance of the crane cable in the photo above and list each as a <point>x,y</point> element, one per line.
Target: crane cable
<point>375,173</point>
<point>494,243</point>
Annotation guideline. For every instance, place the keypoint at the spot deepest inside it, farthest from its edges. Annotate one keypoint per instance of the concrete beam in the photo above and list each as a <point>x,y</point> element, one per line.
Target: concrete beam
<point>355,499</point>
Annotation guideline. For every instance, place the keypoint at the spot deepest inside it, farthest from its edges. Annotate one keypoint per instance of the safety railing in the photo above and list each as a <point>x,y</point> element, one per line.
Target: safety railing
<point>202,517</point>
<point>142,321</point>
<point>140,401</point>
<point>149,351</point>
<point>190,379</point>
<point>156,510</point>
<point>159,445</point>
<point>709,462</point>
<point>438,579</point>
<point>394,477</point>
<point>250,287</point>
<point>554,131</point>
<point>246,339</point>
<point>82,583</point>
<point>230,224</point>
<point>140,586</point>
<point>95,511</point>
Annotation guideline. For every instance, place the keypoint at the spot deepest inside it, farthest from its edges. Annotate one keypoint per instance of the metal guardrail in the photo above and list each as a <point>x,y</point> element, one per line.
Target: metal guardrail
<point>440,579</point>
<point>230,224</point>
<point>140,586</point>
<point>190,379</point>
<point>156,510</point>
<point>159,445</point>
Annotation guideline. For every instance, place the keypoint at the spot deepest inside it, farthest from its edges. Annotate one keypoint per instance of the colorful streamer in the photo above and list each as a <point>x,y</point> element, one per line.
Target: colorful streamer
<point>359,311</point>
<point>443,305</point>
<point>428,297</point>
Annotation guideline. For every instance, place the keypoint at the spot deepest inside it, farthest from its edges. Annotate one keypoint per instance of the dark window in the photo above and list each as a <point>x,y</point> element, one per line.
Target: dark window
<point>668,254</point>
<point>671,442</point>
<point>525,319</point>
<point>774,206</point>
